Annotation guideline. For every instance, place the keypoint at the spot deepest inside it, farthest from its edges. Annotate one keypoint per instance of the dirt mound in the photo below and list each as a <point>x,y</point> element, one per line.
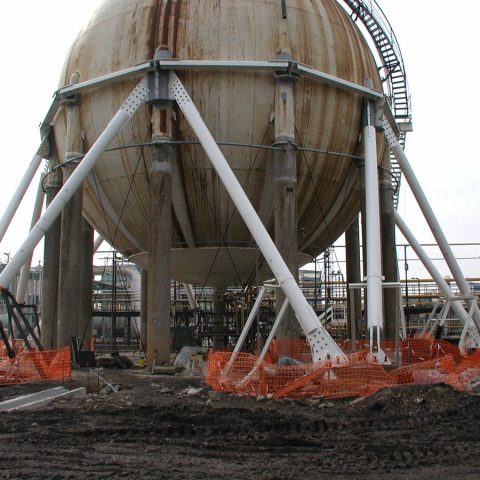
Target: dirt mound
<point>175,428</point>
<point>416,399</point>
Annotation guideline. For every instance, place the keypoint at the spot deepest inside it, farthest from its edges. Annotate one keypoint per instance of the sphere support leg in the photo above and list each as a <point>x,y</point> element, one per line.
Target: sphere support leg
<point>285,190</point>
<point>160,227</point>
<point>143,309</point>
<point>71,237</point>
<point>51,265</point>
<point>159,257</point>
<point>389,250</point>
<point>86,283</point>
<point>352,244</point>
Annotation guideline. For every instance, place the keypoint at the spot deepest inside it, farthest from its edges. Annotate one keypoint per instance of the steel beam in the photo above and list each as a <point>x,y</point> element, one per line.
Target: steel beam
<point>337,82</point>
<point>286,67</point>
<point>104,80</point>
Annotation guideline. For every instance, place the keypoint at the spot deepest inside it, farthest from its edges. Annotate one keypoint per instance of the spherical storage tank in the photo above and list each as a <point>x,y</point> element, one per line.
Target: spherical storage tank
<point>210,242</point>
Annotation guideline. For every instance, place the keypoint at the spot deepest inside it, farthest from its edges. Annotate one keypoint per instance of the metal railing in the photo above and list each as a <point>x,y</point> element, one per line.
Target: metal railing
<point>391,67</point>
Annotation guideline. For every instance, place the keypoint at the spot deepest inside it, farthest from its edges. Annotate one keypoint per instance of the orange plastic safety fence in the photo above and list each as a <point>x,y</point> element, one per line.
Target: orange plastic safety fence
<point>297,349</point>
<point>34,366</point>
<point>425,361</point>
<point>16,345</point>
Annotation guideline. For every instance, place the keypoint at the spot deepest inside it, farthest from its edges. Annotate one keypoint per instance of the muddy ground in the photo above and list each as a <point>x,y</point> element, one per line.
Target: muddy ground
<point>162,427</point>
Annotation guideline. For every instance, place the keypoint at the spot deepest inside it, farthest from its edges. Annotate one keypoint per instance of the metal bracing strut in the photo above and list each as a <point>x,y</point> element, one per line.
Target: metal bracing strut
<point>21,294</point>
<point>19,194</point>
<point>75,181</point>
<point>97,242</point>
<point>430,218</point>
<point>322,344</point>
<point>268,342</point>
<point>245,330</point>
<point>439,280</point>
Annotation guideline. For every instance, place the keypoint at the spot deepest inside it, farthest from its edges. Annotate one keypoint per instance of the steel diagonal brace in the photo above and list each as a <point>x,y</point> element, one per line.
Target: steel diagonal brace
<point>321,343</point>
<point>17,197</point>
<point>253,372</point>
<point>431,219</point>
<point>123,115</point>
<point>469,326</point>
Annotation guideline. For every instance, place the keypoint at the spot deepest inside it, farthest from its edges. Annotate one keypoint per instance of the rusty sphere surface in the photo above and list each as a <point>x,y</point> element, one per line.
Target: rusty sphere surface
<point>211,244</point>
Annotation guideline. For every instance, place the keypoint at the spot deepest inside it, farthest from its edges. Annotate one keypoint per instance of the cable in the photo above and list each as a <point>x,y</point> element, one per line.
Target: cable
<point>327,229</point>
<point>196,142</point>
<point>250,170</point>
<point>126,198</point>
<point>223,241</point>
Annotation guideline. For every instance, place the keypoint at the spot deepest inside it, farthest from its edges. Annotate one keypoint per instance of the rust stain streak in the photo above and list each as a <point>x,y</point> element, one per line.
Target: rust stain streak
<point>166,22</point>
<point>153,28</point>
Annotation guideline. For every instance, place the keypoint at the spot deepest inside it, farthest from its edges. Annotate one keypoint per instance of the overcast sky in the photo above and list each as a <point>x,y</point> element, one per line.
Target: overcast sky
<point>439,45</point>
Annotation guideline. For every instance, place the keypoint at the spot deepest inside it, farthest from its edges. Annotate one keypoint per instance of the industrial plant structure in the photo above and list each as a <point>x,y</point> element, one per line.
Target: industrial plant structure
<point>226,144</point>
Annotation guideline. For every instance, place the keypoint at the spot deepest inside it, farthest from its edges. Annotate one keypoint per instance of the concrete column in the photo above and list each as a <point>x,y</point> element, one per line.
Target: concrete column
<point>159,263</point>
<point>285,189</point>
<point>352,244</point>
<point>143,308</point>
<point>71,244</point>
<point>51,262</point>
<point>86,283</point>
<point>159,235</point>
<point>389,250</point>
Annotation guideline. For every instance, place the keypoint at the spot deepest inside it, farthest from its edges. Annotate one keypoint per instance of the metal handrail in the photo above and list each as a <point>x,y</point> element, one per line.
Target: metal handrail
<point>387,46</point>
<point>369,13</point>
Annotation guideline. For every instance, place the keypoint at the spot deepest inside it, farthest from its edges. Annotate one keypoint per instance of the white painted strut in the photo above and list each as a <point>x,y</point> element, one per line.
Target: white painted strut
<point>192,302</point>
<point>321,342</point>
<point>19,194</point>
<point>436,275</point>
<point>273,332</point>
<point>243,335</point>
<point>74,182</point>
<point>268,342</point>
<point>21,294</point>
<point>430,217</point>
<point>98,241</point>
